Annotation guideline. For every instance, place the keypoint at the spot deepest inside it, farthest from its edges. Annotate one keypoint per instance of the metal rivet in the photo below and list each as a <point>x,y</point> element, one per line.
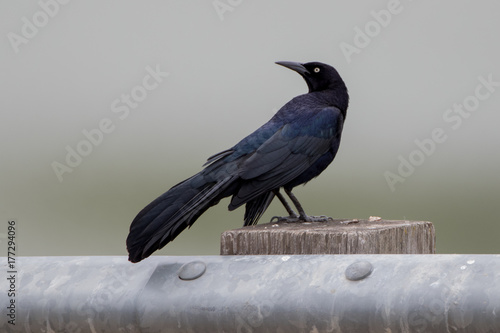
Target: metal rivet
<point>358,270</point>
<point>192,270</point>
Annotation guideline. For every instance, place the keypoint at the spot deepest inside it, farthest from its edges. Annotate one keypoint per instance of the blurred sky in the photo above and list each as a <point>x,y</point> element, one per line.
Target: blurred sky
<point>200,75</point>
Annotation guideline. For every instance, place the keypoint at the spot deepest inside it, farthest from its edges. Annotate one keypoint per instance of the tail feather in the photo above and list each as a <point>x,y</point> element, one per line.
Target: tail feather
<point>168,215</point>
<point>256,207</point>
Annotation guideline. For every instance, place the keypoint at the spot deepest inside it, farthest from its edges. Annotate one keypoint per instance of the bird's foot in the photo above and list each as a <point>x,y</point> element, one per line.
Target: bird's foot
<point>288,219</point>
<point>321,218</point>
<point>302,218</point>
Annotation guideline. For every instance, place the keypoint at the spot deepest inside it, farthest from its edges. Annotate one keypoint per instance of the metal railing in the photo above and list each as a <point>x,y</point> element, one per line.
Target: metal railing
<point>297,293</point>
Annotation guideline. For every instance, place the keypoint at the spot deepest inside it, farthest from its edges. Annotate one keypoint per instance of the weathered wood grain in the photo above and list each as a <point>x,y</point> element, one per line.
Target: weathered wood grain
<point>333,237</point>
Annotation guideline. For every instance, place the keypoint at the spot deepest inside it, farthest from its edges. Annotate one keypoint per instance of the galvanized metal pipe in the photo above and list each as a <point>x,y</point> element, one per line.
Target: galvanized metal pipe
<point>303,293</point>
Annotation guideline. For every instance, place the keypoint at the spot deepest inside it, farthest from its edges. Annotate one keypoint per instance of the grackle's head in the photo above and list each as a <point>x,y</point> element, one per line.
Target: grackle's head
<point>318,76</point>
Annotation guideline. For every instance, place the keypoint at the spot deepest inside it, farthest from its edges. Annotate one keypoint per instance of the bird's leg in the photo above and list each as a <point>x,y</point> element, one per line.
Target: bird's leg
<point>285,204</point>
<point>296,203</point>
<point>302,214</point>
<point>293,217</point>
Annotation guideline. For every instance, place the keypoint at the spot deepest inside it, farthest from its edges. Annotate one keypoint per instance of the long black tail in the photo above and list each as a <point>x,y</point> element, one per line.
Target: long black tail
<point>256,207</point>
<point>164,218</point>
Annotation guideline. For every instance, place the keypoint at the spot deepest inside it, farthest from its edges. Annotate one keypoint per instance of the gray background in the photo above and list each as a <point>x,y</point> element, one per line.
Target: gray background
<point>223,84</point>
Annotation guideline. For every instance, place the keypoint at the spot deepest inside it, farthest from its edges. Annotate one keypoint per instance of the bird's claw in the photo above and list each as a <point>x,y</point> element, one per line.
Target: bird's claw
<point>321,218</point>
<point>288,219</point>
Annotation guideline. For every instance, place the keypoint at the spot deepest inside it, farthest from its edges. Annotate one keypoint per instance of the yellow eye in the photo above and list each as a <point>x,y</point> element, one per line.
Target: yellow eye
<point>316,70</point>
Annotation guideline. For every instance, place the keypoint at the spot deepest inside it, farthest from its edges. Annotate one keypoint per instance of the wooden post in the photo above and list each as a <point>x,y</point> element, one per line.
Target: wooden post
<point>373,236</point>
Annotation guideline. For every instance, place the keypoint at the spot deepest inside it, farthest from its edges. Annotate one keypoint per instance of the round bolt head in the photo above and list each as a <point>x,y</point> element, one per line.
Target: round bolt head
<point>358,270</point>
<point>192,270</point>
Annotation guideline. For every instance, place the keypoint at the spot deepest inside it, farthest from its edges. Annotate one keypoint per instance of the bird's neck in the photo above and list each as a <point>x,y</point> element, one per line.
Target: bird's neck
<point>338,98</point>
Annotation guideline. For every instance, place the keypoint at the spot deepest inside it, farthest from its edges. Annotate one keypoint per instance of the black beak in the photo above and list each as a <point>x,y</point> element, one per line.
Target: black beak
<point>296,66</point>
